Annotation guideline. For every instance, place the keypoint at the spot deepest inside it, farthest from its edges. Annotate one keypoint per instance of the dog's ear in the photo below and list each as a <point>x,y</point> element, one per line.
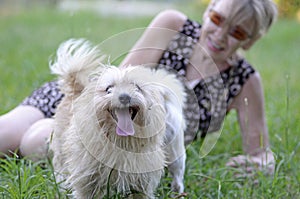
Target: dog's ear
<point>172,87</point>
<point>75,60</point>
<point>173,92</point>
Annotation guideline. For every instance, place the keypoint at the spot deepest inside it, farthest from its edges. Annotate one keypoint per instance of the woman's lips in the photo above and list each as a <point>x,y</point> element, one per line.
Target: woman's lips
<point>213,46</point>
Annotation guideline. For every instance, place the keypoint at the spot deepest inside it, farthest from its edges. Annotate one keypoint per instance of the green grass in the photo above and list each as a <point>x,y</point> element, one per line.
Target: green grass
<point>29,38</point>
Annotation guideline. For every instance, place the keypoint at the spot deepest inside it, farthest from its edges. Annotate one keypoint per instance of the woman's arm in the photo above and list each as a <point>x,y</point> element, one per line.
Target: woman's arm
<point>251,115</point>
<point>149,48</point>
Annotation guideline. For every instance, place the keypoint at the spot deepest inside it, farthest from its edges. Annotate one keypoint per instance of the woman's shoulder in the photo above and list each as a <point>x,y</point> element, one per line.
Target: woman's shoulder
<point>242,68</point>
<point>170,19</point>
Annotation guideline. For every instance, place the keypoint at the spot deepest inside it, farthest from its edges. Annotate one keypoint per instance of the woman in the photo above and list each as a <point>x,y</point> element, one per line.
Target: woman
<point>204,56</point>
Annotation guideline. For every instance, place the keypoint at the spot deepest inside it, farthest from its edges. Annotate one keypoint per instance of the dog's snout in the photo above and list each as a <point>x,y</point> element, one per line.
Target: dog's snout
<point>124,98</point>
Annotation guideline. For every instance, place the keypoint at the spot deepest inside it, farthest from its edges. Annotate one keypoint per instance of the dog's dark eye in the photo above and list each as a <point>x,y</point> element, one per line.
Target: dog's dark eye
<point>138,87</point>
<point>109,89</point>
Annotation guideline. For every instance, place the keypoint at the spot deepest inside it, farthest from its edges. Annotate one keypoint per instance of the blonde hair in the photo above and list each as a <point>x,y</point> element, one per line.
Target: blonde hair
<point>263,13</point>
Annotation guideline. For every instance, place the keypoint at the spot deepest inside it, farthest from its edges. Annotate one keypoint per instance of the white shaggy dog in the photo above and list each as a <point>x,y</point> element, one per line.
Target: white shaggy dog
<point>116,129</point>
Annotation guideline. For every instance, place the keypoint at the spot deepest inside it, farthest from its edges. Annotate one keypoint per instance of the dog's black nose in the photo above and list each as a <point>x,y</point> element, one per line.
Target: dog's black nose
<point>124,99</point>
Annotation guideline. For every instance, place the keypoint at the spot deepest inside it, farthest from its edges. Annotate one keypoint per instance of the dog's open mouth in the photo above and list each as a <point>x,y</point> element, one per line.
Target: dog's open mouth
<point>124,118</point>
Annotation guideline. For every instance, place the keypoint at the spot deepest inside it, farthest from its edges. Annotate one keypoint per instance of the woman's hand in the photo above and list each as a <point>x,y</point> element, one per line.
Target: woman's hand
<point>250,164</point>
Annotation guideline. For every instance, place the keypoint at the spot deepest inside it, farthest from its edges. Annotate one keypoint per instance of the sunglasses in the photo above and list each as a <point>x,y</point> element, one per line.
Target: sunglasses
<point>237,32</point>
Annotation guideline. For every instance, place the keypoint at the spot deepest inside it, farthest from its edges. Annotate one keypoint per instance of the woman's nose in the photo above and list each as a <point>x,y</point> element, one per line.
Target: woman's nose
<point>222,33</point>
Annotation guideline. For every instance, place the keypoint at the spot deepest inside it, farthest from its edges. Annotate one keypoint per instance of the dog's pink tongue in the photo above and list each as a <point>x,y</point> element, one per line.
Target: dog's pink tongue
<point>125,124</point>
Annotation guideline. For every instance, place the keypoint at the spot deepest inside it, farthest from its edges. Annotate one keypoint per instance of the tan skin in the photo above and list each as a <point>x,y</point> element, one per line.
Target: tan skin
<point>251,115</point>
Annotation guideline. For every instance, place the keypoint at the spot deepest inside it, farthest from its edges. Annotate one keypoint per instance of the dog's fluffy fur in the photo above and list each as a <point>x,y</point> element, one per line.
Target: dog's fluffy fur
<point>116,129</point>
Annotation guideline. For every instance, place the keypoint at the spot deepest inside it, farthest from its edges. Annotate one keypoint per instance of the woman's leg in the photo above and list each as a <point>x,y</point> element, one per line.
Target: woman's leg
<point>36,139</point>
<point>13,126</point>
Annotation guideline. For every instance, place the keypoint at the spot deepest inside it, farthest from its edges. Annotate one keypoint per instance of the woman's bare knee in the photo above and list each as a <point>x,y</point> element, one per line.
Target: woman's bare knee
<point>13,126</point>
<point>35,141</point>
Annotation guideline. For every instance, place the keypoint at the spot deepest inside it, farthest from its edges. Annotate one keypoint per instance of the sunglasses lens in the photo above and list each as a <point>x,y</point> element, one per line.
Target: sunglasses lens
<point>239,33</point>
<point>215,18</point>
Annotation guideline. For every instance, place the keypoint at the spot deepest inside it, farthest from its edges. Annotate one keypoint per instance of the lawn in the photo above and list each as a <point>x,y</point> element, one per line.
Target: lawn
<point>29,39</point>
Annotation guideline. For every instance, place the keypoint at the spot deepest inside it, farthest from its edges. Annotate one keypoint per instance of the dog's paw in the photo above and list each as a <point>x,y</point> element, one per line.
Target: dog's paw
<point>177,187</point>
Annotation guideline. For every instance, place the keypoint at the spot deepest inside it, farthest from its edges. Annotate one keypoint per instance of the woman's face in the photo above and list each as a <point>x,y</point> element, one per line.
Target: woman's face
<point>220,36</point>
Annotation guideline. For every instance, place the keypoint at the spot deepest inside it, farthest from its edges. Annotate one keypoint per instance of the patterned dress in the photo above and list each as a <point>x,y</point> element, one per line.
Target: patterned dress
<point>207,102</point>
